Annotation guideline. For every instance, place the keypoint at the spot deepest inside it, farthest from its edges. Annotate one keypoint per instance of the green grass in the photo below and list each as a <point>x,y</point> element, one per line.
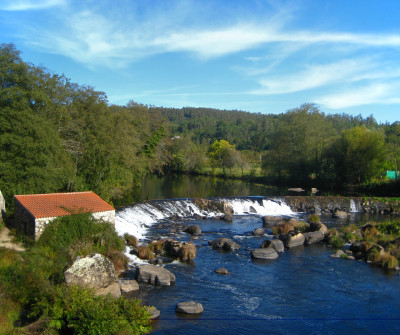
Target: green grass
<point>32,285</point>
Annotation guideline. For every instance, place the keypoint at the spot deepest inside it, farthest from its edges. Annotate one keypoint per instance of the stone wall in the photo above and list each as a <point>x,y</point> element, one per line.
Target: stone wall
<point>40,225</point>
<point>108,216</point>
<point>328,204</point>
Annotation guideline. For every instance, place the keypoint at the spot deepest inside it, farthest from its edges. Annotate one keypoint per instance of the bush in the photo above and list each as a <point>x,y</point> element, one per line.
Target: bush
<point>336,241</point>
<point>374,255</point>
<point>389,261</point>
<point>77,310</point>
<point>131,240</point>
<point>313,218</point>
<point>80,235</point>
<point>145,252</point>
<point>391,227</point>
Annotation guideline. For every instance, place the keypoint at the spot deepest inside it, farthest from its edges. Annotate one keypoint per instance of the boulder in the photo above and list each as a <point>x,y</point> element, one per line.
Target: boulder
<point>271,221</point>
<point>95,271</point>
<point>340,214</point>
<point>264,253</point>
<point>318,226</point>
<point>228,217</point>
<point>313,237</point>
<point>154,275</point>
<point>194,230</point>
<point>356,247</point>
<point>114,290</point>
<point>258,232</point>
<point>189,307</point>
<point>183,251</point>
<point>338,254</point>
<point>128,286</point>
<point>222,271</point>
<point>225,244</point>
<point>154,312</point>
<point>275,244</point>
<point>298,224</point>
<point>293,239</point>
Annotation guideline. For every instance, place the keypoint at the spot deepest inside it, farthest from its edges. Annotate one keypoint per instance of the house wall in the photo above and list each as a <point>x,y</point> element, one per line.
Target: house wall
<point>23,219</point>
<point>108,216</point>
<point>40,224</point>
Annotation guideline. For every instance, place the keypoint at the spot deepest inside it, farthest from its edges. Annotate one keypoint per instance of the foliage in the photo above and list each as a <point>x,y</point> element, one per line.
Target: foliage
<point>313,218</point>
<point>32,283</point>
<point>336,242</point>
<point>79,311</point>
<point>389,262</point>
<point>131,240</point>
<point>222,154</point>
<point>390,227</point>
<point>359,155</point>
<point>80,234</point>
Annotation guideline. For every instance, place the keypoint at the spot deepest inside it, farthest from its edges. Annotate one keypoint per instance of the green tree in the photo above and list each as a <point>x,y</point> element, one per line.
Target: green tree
<point>299,145</point>
<point>359,155</point>
<point>32,158</point>
<point>222,154</point>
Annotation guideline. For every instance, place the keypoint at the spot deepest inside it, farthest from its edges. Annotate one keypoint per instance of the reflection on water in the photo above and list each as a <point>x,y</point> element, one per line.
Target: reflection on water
<point>186,186</point>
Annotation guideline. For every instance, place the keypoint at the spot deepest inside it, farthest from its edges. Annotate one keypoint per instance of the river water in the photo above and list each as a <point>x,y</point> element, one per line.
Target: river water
<point>304,291</point>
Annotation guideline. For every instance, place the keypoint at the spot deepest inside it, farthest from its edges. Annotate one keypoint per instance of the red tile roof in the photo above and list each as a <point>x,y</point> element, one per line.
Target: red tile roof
<point>60,204</point>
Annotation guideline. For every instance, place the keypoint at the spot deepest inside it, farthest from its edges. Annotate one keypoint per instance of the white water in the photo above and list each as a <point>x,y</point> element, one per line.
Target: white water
<point>354,208</point>
<point>136,219</point>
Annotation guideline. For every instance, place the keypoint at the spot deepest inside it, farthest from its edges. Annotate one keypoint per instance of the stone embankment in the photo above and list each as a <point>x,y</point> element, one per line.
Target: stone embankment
<point>330,204</point>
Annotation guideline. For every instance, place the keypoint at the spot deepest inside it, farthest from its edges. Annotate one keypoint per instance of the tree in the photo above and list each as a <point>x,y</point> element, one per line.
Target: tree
<point>222,154</point>
<point>32,158</point>
<point>299,145</point>
<point>359,155</point>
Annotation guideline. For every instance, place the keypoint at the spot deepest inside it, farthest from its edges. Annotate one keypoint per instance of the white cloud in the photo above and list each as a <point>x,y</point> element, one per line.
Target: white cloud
<point>377,93</point>
<point>21,5</point>
<point>315,76</point>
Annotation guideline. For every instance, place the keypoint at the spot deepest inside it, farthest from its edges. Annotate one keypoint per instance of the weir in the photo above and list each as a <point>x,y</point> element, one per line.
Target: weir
<point>135,219</point>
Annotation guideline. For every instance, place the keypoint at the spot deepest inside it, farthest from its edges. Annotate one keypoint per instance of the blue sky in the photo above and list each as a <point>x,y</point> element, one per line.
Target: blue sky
<point>263,56</point>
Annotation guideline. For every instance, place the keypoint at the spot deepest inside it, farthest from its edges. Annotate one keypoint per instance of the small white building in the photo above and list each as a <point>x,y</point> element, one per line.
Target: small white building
<point>32,212</point>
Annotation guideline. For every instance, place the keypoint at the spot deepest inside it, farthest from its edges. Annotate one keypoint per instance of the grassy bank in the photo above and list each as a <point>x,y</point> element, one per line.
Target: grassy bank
<point>34,298</point>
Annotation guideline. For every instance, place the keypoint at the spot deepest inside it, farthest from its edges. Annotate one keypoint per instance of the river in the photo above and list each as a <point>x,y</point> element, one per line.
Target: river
<point>304,291</point>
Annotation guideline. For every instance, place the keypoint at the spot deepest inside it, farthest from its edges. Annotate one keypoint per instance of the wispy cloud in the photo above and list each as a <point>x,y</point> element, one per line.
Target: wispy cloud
<point>22,5</point>
<point>319,75</point>
<point>376,93</point>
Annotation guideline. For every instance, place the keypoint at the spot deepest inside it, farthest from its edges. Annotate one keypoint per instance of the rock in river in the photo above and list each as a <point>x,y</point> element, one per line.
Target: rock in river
<point>154,275</point>
<point>225,244</point>
<point>189,307</point>
<point>264,253</point>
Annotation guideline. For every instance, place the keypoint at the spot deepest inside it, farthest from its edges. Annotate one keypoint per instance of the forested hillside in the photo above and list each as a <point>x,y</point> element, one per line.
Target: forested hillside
<point>56,135</point>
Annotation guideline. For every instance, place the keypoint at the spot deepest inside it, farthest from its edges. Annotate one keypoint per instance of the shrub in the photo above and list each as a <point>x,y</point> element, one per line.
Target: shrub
<point>374,255</point>
<point>145,252</point>
<point>188,252</point>
<point>391,227</point>
<point>131,240</point>
<point>313,218</point>
<point>336,241</point>
<point>389,261</point>
<point>283,228</point>
<point>81,234</point>
<point>371,232</point>
<point>77,310</point>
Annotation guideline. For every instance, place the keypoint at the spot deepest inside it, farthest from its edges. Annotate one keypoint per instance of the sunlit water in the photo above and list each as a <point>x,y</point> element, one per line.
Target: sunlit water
<point>304,291</point>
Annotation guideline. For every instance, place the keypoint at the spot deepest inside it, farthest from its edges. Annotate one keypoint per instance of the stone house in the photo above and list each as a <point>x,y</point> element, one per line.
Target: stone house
<point>32,212</point>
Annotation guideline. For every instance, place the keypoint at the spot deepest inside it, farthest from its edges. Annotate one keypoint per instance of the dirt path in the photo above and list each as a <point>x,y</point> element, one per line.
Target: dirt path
<point>6,240</point>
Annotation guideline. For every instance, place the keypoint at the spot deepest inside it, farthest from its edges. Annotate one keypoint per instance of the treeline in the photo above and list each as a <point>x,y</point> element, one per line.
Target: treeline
<point>303,146</point>
<point>56,135</point>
